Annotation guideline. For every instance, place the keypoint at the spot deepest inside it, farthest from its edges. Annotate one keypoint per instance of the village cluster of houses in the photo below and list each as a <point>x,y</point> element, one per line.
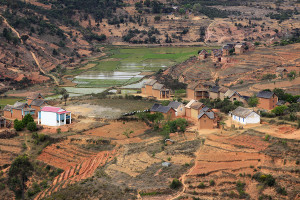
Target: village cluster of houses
<point>196,91</point>
<point>38,108</point>
<point>219,55</point>
<point>194,110</point>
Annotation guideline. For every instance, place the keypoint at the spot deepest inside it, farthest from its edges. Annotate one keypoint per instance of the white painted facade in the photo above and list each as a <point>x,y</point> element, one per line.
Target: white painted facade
<point>252,118</point>
<point>49,118</point>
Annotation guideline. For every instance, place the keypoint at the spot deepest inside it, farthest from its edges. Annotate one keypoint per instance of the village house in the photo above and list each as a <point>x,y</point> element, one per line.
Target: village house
<point>197,91</point>
<point>239,48</point>
<point>217,92</point>
<point>267,100</point>
<point>192,109</point>
<point>167,111</point>
<point>206,118</point>
<point>154,89</point>
<point>18,111</point>
<point>225,50</point>
<point>234,96</point>
<point>147,87</point>
<point>216,55</point>
<point>54,116</point>
<point>203,54</point>
<point>178,107</point>
<point>245,116</point>
<point>159,91</point>
<point>281,72</point>
<point>33,96</point>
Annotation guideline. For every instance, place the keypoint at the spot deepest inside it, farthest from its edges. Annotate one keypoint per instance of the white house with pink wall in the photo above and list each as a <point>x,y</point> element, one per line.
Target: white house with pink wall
<point>54,116</point>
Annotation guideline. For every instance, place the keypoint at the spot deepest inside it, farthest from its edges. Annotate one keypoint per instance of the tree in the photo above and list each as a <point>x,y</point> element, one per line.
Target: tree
<point>175,184</point>
<point>157,18</point>
<point>28,118</point>
<point>24,38</point>
<point>279,110</point>
<point>31,126</point>
<point>65,95</point>
<point>182,11</point>
<point>18,125</point>
<point>292,75</point>
<point>197,8</point>
<point>19,172</point>
<point>253,101</point>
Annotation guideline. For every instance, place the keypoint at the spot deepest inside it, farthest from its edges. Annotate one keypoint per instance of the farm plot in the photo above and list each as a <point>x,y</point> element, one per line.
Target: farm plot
<point>9,149</point>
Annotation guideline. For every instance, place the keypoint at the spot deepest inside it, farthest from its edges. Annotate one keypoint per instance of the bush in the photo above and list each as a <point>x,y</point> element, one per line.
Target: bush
<point>34,190</point>
<point>31,126</point>
<point>201,185</point>
<point>267,137</point>
<point>266,179</point>
<point>18,125</point>
<point>212,183</point>
<point>175,184</point>
<point>281,190</point>
<point>28,118</point>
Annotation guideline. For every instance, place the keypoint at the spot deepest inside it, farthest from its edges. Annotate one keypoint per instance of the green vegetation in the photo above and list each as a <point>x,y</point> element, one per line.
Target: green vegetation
<point>175,184</point>
<point>253,101</point>
<point>31,126</point>
<point>279,110</point>
<point>240,187</point>
<point>266,179</point>
<point>224,105</point>
<point>19,173</point>
<point>9,101</point>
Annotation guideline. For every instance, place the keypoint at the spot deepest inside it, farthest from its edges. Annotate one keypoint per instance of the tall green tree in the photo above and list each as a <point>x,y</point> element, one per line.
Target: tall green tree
<point>253,101</point>
<point>19,172</point>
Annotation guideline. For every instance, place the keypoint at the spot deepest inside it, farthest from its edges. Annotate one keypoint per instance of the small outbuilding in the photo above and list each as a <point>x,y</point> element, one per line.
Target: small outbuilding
<point>54,116</point>
<point>167,111</point>
<point>178,107</point>
<point>245,116</point>
<point>206,118</point>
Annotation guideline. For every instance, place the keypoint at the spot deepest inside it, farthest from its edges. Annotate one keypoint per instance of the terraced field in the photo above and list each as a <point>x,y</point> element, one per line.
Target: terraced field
<point>77,172</point>
<point>9,149</point>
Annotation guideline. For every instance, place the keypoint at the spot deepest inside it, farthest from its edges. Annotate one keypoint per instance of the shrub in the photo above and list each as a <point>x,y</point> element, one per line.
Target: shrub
<point>28,118</point>
<point>267,137</point>
<point>212,183</point>
<point>34,190</point>
<point>18,125</point>
<point>31,126</point>
<point>201,185</point>
<point>175,184</point>
<point>58,131</point>
<point>266,179</point>
<point>281,190</point>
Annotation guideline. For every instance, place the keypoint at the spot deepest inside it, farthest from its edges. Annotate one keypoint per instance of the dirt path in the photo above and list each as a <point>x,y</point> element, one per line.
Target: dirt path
<point>14,30</point>
<point>41,69</point>
<point>182,178</point>
<point>33,55</point>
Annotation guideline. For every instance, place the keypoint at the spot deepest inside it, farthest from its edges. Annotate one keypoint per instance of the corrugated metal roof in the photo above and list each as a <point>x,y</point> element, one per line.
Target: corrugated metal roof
<point>242,112</point>
<point>158,86</point>
<point>160,108</point>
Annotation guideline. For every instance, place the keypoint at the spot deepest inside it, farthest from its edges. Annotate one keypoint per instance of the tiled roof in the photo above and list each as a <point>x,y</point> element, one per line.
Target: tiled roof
<point>242,112</point>
<point>7,108</point>
<point>281,69</point>
<point>34,95</point>
<point>280,103</point>
<point>215,89</point>
<point>160,108</point>
<point>190,103</point>
<point>230,93</point>
<point>193,85</point>
<point>37,102</point>
<point>158,86</point>
<point>210,114</point>
<point>196,105</point>
<point>265,94</point>
<point>174,104</point>
<point>19,105</point>
<point>151,82</point>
